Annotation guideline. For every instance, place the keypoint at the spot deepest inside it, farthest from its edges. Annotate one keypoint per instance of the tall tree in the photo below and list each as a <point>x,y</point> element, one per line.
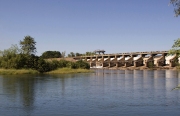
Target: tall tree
<point>71,54</point>
<point>176,4</point>
<point>63,54</point>
<point>28,45</point>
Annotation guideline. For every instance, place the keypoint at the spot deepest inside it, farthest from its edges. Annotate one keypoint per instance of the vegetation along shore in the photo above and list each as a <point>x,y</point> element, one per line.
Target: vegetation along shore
<point>23,60</point>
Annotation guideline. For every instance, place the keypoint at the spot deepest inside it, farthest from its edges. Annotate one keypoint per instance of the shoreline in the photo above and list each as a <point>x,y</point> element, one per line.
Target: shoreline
<point>70,71</point>
<point>139,68</point>
<point>31,71</point>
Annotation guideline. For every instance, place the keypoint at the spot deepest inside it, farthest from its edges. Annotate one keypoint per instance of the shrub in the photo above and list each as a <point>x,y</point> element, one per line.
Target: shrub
<point>82,64</point>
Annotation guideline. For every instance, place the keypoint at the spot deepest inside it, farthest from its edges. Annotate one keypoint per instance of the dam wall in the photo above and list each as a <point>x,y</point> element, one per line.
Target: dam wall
<point>133,59</point>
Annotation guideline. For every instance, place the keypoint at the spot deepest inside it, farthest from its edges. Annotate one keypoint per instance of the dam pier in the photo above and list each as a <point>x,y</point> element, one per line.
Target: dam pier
<point>133,59</point>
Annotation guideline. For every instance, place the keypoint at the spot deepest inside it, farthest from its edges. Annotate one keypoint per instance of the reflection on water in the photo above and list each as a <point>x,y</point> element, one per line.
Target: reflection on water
<point>105,92</point>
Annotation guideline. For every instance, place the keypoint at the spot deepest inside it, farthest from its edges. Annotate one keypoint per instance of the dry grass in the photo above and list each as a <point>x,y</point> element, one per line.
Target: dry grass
<point>68,70</point>
<point>17,71</point>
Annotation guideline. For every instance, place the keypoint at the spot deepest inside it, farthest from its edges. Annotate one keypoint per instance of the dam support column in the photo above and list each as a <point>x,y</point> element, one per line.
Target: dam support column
<point>109,61</point>
<point>117,64</point>
<point>161,61</point>
<point>135,64</point>
<point>172,63</point>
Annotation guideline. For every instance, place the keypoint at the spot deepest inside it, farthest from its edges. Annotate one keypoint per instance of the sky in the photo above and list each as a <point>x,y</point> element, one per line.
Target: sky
<point>81,26</point>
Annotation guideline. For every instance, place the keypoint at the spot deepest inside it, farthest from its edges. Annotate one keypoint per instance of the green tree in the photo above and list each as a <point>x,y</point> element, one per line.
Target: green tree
<point>9,58</point>
<point>176,4</point>
<point>90,53</point>
<point>72,54</point>
<point>28,45</point>
<point>83,65</point>
<point>175,48</point>
<point>78,54</point>
<point>51,54</point>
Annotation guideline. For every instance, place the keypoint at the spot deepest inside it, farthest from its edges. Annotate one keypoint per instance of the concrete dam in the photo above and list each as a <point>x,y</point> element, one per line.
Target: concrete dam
<point>133,59</point>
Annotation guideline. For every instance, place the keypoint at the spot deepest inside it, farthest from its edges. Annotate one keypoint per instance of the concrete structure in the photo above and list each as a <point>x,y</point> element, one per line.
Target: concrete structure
<point>99,51</point>
<point>135,59</point>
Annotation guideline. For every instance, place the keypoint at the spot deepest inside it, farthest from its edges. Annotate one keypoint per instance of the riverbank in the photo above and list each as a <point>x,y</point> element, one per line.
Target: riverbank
<point>30,71</point>
<point>68,70</point>
<point>17,71</point>
<point>141,68</point>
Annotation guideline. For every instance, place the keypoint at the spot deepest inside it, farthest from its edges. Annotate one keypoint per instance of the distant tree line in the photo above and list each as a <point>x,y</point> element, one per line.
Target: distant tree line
<point>51,54</point>
<point>57,54</point>
<point>72,54</point>
<point>25,58</point>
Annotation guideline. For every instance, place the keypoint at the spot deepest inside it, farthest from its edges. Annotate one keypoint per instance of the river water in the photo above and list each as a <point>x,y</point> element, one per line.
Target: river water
<point>103,93</point>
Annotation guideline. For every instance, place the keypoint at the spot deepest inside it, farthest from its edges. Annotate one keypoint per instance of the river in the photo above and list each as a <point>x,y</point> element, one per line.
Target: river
<point>102,93</point>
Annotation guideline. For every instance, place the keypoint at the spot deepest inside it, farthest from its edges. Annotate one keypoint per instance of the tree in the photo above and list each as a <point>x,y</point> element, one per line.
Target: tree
<point>13,50</point>
<point>78,54</point>
<point>10,58</point>
<point>90,53</point>
<point>83,65</point>
<point>63,54</point>
<point>176,4</point>
<point>51,54</point>
<point>176,47</point>
<point>28,45</point>
<point>72,54</point>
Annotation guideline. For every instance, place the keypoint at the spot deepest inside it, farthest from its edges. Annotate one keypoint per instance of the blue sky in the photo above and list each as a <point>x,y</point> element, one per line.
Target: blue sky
<point>86,25</point>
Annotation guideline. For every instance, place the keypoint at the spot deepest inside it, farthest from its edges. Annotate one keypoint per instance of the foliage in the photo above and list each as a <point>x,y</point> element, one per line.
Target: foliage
<point>90,53</point>
<point>78,54</point>
<point>71,54</point>
<point>82,64</point>
<point>24,58</point>
<point>176,4</point>
<point>28,45</point>
<point>176,47</point>
<point>69,70</point>
<point>42,66</point>
<point>10,58</point>
<point>72,65</point>
<point>31,61</point>
<point>62,63</point>
<point>63,54</point>
<point>17,71</point>
<point>51,54</point>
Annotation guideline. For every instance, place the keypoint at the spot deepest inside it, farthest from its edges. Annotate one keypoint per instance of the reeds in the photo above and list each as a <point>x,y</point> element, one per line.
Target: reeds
<point>69,70</point>
<point>17,71</point>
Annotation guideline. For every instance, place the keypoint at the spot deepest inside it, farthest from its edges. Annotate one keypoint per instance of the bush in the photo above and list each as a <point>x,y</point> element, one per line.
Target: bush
<point>82,64</point>
<point>43,66</point>
<point>62,63</point>
<point>51,54</point>
<point>72,65</point>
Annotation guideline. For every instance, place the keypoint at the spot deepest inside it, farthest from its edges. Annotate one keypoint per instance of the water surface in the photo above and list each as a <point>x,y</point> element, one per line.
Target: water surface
<point>103,93</point>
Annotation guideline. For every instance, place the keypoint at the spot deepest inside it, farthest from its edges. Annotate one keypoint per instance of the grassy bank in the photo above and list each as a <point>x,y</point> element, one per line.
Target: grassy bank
<point>68,70</point>
<point>30,71</point>
<point>17,71</point>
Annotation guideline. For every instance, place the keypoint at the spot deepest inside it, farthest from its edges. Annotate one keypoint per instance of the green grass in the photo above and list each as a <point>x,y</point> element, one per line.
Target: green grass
<point>30,71</point>
<point>68,70</point>
<point>17,71</point>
